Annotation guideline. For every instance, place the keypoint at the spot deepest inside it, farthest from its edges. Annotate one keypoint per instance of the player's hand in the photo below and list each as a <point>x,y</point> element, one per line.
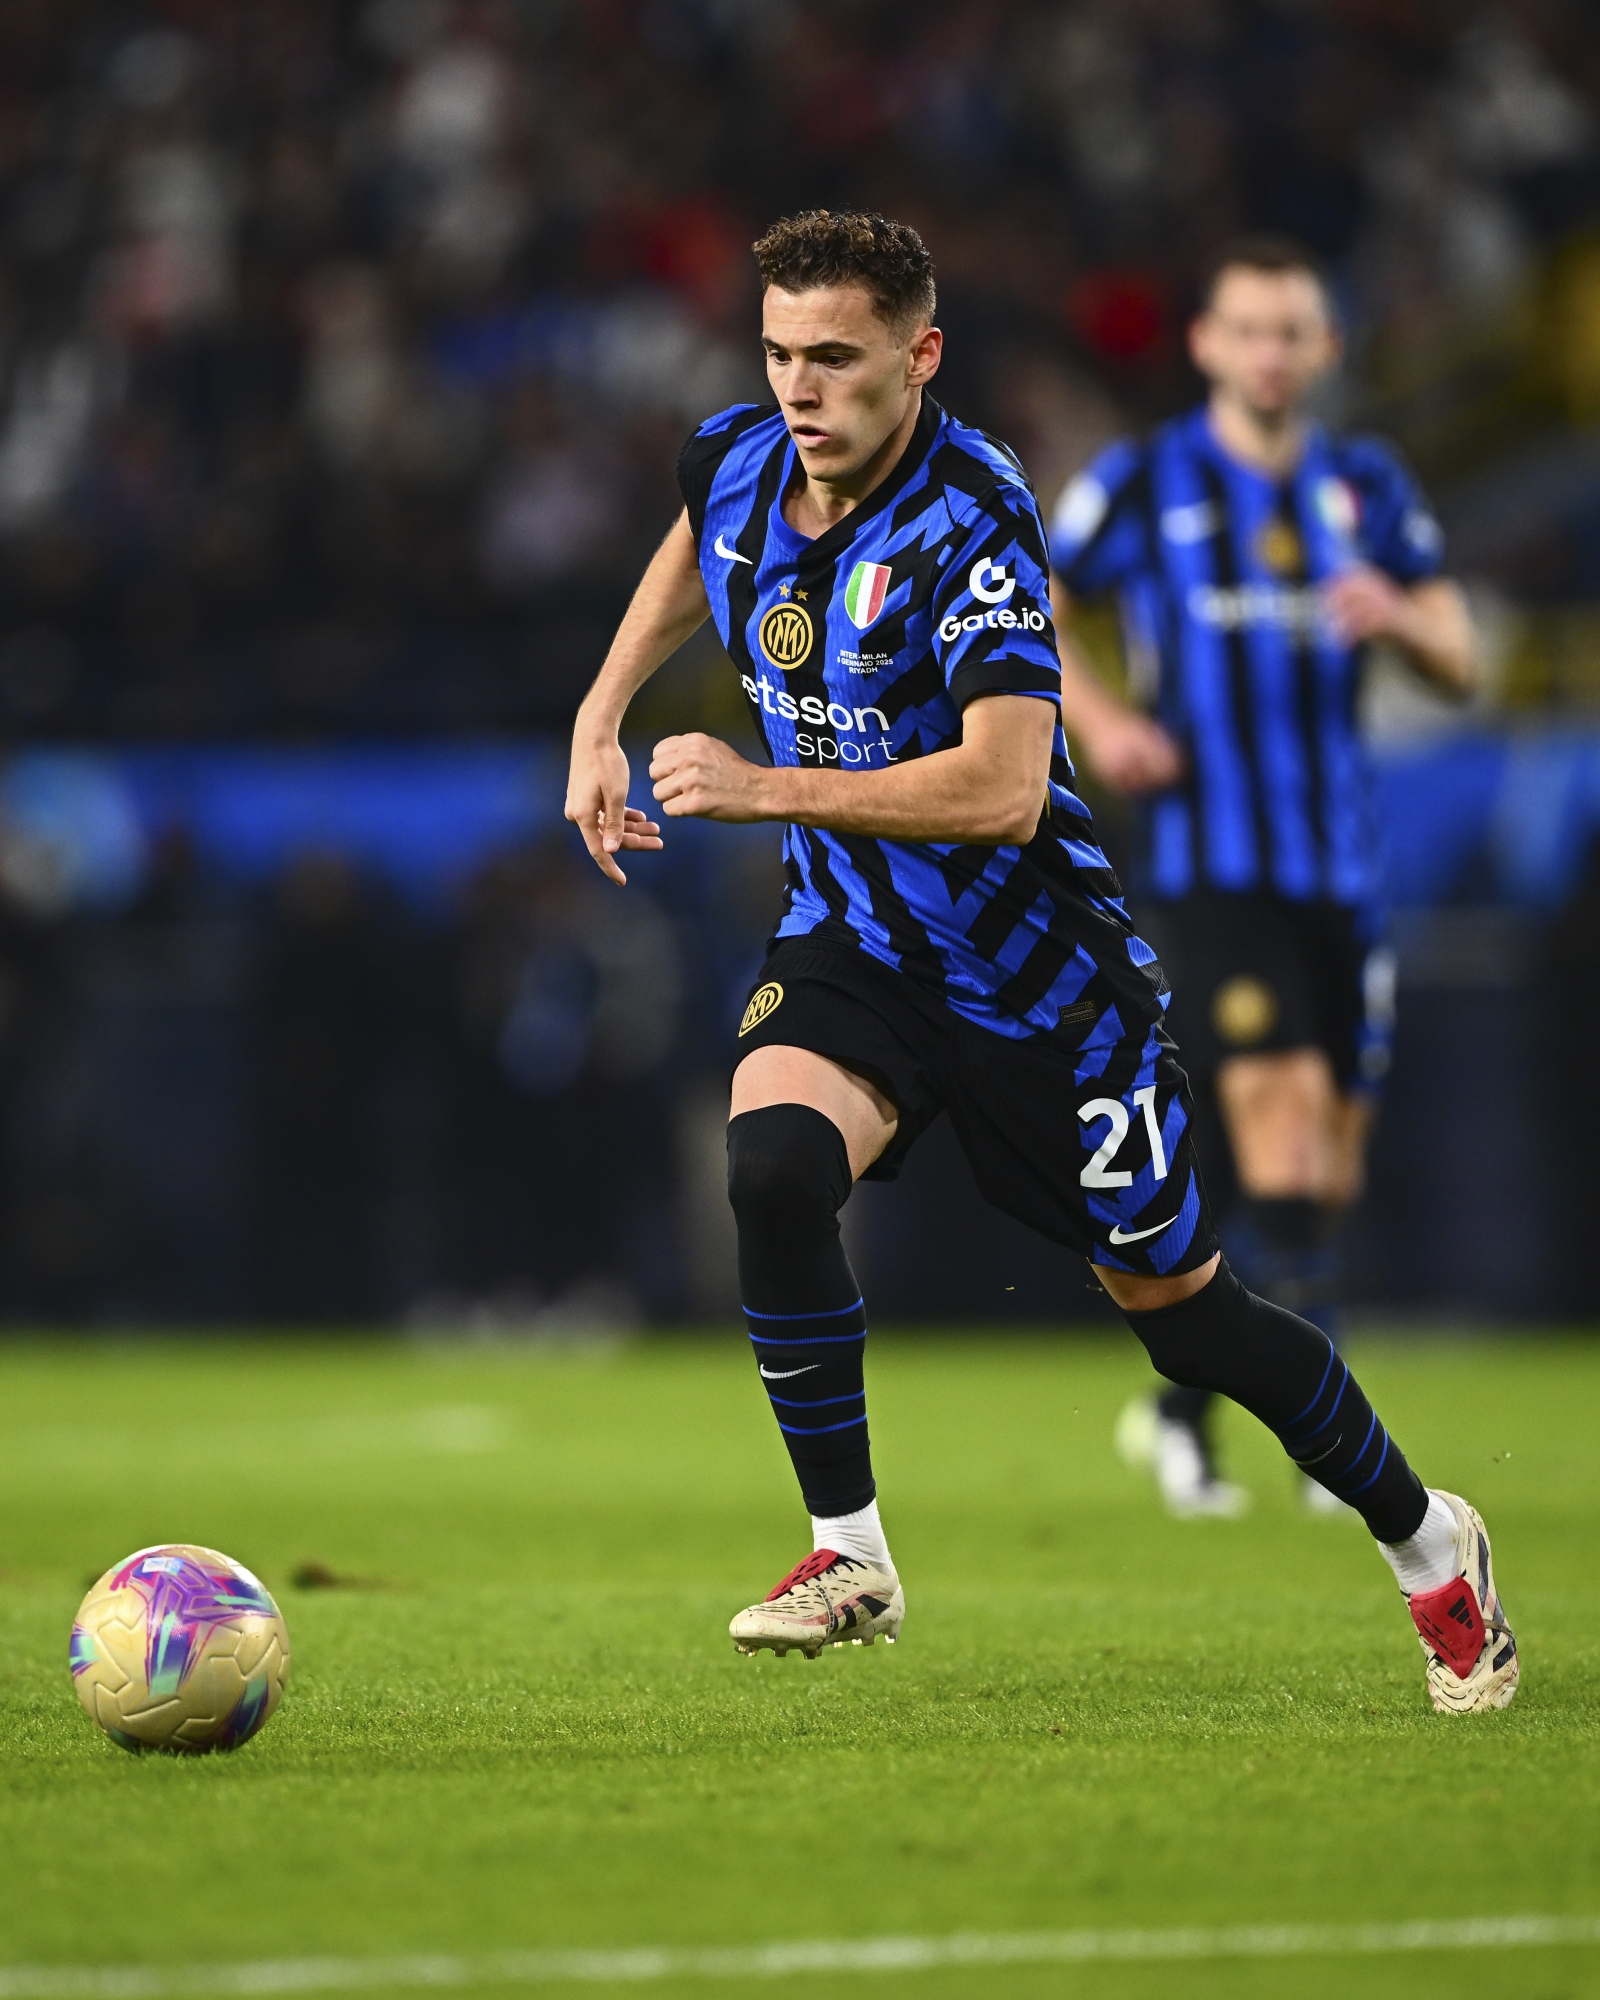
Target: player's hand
<point>1366,604</point>
<point>699,777</point>
<point>597,805</point>
<point>1130,753</point>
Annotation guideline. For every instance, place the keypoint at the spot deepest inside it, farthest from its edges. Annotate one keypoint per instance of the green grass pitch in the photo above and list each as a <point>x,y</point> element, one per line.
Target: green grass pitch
<point>521,1723</point>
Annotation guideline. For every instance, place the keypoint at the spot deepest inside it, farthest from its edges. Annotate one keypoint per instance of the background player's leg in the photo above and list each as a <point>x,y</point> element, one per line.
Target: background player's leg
<point>1299,1150</point>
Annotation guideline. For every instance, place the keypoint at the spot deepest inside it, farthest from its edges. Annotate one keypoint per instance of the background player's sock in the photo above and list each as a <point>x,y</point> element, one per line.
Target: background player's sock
<point>1285,1372</point>
<point>1426,1559</point>
<point>1184,1406</point>
<point>788,1177</point>
<point>859,1534</point>
<point>1281,1249</point>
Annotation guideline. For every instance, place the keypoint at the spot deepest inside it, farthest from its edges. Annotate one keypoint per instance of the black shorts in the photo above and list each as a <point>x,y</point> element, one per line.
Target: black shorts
<point>1253,974</point>
<point>1082,1133</point>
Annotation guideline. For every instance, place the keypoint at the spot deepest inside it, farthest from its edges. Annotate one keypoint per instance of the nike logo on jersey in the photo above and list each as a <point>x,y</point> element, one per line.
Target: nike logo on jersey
<point>783,1374</point>
<point>730,555</point>
<point>1119,1235</point>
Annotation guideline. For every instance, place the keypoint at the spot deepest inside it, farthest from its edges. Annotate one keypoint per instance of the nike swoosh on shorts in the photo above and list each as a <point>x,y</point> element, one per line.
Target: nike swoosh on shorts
<point>783,1374</point>
<point>1119,1235</point>
<point>730,555</point>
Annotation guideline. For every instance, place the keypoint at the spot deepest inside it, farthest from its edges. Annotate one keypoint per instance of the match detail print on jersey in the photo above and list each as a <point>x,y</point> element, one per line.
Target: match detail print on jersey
<point>865,592</point>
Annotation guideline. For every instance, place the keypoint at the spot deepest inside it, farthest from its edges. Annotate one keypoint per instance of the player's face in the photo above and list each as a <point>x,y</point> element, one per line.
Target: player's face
<point>1264,339</point>
<point>844,380</point>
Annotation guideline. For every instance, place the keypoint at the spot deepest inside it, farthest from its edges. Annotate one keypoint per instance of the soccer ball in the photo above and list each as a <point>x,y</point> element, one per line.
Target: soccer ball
<point>179,1648</point>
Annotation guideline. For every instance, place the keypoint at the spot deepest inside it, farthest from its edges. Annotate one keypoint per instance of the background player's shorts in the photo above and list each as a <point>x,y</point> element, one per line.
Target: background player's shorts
<point>1083,1133</point>
<point>1257,973</point>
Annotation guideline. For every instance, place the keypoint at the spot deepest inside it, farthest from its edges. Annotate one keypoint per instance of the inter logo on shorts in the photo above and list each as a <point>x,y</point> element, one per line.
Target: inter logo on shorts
<point>785,635</point>
<point>762,1002</point>
<point>865,592</point>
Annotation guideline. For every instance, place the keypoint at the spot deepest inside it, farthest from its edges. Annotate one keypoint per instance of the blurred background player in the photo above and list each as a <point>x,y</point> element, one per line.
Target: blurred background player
<point>1257,557</point>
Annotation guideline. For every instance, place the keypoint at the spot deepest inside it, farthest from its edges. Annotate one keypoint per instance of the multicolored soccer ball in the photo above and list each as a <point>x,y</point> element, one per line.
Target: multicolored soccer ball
<point>179,1648</point>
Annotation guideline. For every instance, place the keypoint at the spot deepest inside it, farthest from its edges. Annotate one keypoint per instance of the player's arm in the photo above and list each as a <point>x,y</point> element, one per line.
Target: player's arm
<point>1125,749</point>
<point>668,606</point>
<point>988,791</point>
<point>1428,621</point>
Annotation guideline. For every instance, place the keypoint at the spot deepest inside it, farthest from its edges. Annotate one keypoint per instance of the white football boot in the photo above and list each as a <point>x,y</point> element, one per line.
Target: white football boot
<point>1150,1442</point>
<point>827,1600</point>
<point>1470,1649</point>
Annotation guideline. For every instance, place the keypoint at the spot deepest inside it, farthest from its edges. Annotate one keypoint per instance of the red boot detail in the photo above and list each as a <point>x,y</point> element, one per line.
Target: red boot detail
<point>814,1565</point>
<point>1451,1623</point>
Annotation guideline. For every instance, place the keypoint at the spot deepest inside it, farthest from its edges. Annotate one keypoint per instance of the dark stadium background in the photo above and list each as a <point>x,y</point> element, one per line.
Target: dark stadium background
<point>345,353</point>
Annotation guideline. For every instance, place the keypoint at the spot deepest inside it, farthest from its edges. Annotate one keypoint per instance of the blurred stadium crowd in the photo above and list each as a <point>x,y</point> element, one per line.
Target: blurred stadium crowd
<point>345,353</point>
<point>345,349</point>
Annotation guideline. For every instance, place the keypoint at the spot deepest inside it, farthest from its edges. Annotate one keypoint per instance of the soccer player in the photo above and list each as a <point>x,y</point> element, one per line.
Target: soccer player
<point>952,937</point>
<point>1256,556</point>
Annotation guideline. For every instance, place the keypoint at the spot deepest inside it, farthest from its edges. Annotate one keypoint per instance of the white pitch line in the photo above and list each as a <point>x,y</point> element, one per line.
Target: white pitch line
<point>890,1954</point>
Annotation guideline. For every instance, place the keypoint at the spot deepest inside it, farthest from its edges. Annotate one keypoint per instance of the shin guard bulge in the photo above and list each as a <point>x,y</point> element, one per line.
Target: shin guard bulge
<point>788,1177</point>
<point>1282,1370</point>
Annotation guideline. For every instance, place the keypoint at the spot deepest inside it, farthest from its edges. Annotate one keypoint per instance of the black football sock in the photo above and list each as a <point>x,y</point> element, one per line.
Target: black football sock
<point>1282,1370</point>
<point>788,1177</point>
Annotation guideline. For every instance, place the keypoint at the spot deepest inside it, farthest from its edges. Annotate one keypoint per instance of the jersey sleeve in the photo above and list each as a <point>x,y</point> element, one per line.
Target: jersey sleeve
<point>704,452</point>
<point>1098,533</point>
<point>1397,530</point>
<point>991,607</point>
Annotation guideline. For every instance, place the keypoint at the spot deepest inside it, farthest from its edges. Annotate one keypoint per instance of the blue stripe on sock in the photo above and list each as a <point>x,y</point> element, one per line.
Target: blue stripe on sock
<point>1333,1355</point>
<point>821,1430</point>
<point>834,1312</point>
<point>1381,1457</point>
<point>816,1340</point>
<point>819,1403</point>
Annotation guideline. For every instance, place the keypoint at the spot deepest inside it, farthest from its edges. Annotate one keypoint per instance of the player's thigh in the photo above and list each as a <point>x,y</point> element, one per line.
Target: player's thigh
<point>1085,1136</point>
<point>1280,1111</point>
<point>780,1074</point>
<point>1354,1114</point>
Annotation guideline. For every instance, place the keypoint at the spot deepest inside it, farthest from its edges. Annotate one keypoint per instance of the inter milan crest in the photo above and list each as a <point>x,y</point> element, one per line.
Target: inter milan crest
<point>762,1002</point>
<point>785,634</point>
<point>1279,548</point>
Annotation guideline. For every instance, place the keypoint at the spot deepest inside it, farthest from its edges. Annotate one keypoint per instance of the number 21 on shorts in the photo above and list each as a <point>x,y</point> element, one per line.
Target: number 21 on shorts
<point>1098,1173</point>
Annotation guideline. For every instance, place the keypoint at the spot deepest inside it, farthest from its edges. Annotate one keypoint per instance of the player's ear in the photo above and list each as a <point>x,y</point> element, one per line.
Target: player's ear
<point>927,350</point>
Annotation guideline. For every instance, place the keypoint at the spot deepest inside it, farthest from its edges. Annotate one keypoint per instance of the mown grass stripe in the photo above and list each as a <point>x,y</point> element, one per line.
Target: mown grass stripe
<point>891,1954</point>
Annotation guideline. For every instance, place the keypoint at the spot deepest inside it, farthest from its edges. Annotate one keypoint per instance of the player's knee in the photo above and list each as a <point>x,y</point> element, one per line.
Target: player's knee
<point>1179,1355</point>
<point>1184,1340</point>
<point>788,1168</point>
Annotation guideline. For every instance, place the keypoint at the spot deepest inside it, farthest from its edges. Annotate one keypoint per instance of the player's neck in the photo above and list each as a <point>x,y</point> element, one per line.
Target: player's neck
<point>812,506</point>
<point>1273,445</point>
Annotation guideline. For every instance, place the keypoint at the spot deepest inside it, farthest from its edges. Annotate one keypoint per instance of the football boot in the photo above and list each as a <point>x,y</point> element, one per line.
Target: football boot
<point>1176,1454</point>
<point>827,1600</point>
<point>1470,1649</point>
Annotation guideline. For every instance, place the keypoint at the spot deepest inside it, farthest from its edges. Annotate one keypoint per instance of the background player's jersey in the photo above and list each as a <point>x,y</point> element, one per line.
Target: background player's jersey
<point>861,649</point>
<point>1219,568</point>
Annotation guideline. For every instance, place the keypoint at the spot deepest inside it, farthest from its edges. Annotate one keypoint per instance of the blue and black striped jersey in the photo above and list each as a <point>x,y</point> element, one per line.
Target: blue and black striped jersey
<point>1220,569</point>
<point>861,649</point>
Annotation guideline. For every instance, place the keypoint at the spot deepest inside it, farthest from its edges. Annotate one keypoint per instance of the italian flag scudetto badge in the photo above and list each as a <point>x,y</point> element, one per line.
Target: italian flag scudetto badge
<point>865,592</point>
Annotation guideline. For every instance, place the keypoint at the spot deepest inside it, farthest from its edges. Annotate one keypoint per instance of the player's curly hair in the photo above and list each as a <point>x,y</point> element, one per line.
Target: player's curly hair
<point>803,253</point>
